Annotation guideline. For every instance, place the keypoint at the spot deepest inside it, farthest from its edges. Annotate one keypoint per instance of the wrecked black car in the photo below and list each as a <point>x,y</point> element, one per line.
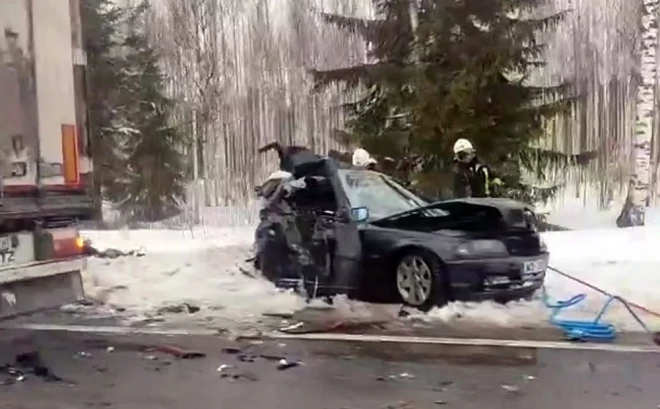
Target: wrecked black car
<point>327,228</point>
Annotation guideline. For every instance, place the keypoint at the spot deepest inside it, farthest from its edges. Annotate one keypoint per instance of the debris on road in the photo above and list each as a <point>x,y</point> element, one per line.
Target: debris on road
<point>283,364</point>
<point>269,357</point>
<point>243,356</point>
<point>33,362</point>
<point>14,375</point>
<point>90,250</point>
<point>236,375</point>
<point>511,388</point>
<point>246,358</point>
<point>28,363</point>
<point>177,352</point>
<point>294,328</point>
<point>282,315</point>
<point>232,372</point>
<point>404,375</point>
<point>178,309</point>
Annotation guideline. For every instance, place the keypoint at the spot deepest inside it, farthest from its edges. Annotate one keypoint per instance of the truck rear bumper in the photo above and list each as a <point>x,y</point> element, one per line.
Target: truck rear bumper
<point>39,286</point>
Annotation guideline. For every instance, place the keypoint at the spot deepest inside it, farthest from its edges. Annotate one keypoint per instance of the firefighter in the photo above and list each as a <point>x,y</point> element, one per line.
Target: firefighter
<point>362,158</point>
<point>472,178</point>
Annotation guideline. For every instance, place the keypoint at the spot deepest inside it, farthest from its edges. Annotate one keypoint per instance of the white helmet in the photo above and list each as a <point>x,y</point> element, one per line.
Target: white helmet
<point>362,158</point>
<point>463,145</point>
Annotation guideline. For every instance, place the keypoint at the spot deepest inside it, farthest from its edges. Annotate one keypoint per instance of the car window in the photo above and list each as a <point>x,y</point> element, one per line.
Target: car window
<point>377,192</point>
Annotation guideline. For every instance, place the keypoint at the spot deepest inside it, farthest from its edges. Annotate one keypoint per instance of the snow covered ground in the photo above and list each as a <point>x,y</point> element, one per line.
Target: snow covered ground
<point>619,261</point>
<point>200,267</point>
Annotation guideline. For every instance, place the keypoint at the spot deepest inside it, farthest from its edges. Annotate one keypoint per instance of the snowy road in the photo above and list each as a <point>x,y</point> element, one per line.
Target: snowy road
<point>200,268</point>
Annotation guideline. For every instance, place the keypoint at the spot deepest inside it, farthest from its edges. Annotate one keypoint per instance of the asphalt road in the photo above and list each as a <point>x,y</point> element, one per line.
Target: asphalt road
<point>99,371</point>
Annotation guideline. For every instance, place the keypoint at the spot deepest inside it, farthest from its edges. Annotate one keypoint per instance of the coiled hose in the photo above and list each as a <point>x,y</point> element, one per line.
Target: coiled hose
<point>589,331</point>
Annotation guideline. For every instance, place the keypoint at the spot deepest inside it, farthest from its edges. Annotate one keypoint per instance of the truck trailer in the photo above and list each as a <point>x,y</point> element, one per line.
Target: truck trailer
<point>45,155</point>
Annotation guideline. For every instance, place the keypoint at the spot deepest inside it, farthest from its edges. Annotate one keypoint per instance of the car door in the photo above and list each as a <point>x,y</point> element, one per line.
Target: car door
<point>347,259</point>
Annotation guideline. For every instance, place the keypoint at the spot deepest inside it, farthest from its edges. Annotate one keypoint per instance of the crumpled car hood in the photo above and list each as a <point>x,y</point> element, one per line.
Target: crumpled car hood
<point>463,214</point>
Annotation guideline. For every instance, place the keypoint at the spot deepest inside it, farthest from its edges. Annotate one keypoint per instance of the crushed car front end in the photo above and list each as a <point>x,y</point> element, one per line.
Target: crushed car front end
<point>502,269</point>
<point>490,249</point>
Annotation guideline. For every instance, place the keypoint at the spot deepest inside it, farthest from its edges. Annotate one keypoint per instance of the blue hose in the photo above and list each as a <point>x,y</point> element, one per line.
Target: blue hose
<point>586,331</point>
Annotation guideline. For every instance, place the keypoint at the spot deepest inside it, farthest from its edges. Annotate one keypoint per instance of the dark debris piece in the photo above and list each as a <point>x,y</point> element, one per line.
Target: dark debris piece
<point>175,351</point>
<point>240,375</point>
<point>268,357</point>
<point>246,358</point>
<point>28,363</point>
<point>33,362</point>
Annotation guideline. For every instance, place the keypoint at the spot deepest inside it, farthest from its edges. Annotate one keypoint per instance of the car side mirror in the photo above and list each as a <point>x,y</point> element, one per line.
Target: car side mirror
<point>360,214</point>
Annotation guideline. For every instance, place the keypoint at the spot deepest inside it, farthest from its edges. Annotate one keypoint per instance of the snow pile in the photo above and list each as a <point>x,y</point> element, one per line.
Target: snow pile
<point>201,267</point>
<point>198,267</point>
<point>619,261</point>
<point>576,214</point>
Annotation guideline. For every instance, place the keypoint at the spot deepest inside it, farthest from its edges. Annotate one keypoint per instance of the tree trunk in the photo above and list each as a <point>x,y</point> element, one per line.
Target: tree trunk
<point>633,213</point>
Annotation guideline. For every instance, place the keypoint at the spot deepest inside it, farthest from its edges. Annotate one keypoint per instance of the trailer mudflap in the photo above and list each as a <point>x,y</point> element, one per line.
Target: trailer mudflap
<point>38,286</point>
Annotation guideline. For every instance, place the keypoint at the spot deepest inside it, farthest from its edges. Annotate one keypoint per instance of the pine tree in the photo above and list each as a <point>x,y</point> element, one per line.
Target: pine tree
<point>137,161</point>
<point>101,22</point>
<point>144,169</point>
<point>151,184</point>
<point>462,74</point>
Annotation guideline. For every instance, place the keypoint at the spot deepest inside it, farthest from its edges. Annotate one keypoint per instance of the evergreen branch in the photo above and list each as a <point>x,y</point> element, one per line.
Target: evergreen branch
<point>350,76</point>
<point>528,26</point>
<point>538,159</point>
<point>365,27</point>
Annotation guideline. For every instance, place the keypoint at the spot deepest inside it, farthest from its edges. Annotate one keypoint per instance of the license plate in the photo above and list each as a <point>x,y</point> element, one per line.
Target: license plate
<point>534,267</point>
<point>5,243</point>
<point>497,280</point>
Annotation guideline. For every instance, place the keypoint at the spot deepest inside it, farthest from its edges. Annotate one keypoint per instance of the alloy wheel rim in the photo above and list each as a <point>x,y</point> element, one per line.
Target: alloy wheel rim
<point>414,280</point>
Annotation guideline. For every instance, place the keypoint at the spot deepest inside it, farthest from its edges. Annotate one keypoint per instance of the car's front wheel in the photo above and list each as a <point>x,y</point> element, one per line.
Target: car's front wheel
<point>420,281</point>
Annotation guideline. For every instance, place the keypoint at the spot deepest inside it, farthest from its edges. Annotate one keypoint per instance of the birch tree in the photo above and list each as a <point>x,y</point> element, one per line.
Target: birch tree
<point>195,32</point>
<point>634,210</point>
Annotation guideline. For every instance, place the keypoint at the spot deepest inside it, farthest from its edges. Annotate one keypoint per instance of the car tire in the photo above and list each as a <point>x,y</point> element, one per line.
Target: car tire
<point>420,280</point>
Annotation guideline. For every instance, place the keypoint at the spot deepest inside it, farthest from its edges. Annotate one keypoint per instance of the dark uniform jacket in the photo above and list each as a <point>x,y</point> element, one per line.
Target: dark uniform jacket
<point>474,179</point>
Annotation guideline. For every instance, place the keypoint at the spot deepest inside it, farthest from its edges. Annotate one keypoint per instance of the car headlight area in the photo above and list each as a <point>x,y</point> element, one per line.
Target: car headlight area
<point>481,248</point>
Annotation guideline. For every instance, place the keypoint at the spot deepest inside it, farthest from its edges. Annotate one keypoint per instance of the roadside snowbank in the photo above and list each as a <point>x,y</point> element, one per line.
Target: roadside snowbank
<point>576,214</point>
<point>201,267</point>
<point>623,262</point>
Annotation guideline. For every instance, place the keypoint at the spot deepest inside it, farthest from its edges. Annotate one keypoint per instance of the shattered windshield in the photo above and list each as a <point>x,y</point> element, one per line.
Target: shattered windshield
<point>378,193</point>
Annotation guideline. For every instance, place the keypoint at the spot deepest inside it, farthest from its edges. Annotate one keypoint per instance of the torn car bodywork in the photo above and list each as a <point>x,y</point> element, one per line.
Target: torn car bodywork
<point>297,235</point>
<point>308,235</point>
